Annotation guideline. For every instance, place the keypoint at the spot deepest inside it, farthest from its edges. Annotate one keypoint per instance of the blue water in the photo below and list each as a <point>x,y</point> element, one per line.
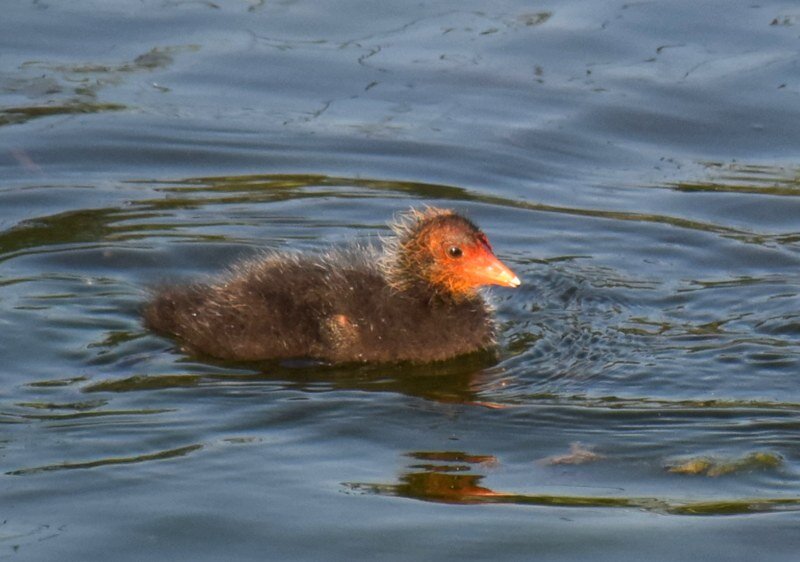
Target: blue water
<point>634,163</point>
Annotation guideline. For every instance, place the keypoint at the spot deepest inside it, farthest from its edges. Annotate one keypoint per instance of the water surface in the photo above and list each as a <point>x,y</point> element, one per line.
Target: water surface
<point>634,163</point>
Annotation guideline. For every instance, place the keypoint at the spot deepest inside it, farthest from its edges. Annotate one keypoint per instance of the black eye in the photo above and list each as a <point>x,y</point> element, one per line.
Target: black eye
<point>454,252</point>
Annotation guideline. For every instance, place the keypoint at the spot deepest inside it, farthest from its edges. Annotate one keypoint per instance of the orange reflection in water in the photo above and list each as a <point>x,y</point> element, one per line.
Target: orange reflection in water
<point>442,479</point>
<point>449,477</point>
<point>444,487</point>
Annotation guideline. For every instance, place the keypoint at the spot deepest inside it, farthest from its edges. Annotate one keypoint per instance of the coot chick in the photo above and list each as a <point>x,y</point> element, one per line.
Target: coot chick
<point>416,300</point>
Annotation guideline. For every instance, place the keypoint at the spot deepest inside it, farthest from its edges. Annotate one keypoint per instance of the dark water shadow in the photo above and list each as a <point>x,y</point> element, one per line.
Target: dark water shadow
<point>262,188</point>
<point>461,380</point>
<point>738,177</point>
<point>73,89</point>
<point>150,216</point>
<point>110,461</point>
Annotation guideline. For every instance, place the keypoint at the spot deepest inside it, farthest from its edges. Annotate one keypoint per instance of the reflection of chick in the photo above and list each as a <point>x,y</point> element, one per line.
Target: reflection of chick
<point>419,301</point>
<point>448,488</point>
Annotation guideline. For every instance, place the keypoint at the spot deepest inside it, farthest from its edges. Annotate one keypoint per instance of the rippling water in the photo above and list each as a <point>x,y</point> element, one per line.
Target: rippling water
<point>634,163</point>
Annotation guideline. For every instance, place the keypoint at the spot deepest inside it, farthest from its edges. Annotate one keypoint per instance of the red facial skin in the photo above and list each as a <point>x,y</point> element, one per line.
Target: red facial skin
<point>463,261</point>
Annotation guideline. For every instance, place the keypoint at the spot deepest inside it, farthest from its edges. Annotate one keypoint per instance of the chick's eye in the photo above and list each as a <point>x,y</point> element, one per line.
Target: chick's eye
<point>454,252</point>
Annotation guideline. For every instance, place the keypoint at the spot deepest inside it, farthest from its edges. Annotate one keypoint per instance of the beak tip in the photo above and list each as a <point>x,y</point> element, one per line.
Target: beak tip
<point>515,282</point>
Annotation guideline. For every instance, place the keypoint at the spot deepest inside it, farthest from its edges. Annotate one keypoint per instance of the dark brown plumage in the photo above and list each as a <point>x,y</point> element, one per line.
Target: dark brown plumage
<point>417,301</point>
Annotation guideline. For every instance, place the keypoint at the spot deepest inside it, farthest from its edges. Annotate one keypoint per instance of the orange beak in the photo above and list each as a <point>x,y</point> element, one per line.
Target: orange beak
<point>486,269</point>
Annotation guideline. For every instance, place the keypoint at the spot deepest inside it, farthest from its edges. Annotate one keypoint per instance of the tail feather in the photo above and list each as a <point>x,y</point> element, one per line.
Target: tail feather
<point>162,313</point>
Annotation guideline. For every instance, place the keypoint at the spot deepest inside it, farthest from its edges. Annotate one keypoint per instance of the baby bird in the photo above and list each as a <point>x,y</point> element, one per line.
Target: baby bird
<point>417,300</point>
